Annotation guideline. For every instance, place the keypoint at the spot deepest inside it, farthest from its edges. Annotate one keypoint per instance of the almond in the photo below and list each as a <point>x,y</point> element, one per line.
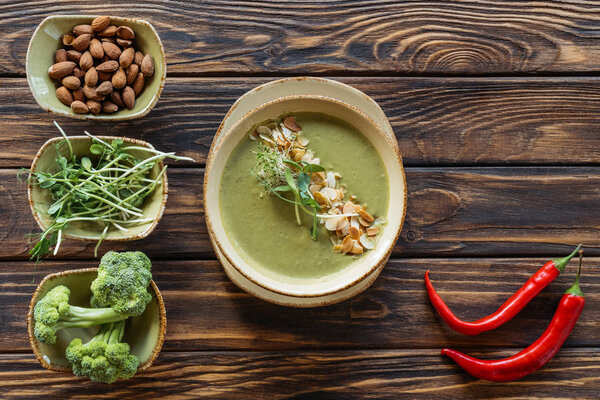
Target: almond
<point>111,50</point>
<point>139,56</point>
<point>78,73</point>
<point>108,66</point>
<point>104,76</point>
<point>99,23</point>
<point>91,77</point>
<point>128,96</point>
<point>79,107</point>
<point>116,98</point>
<point>108,32</point>
<point>124,42</point>
<point>64,95</point>
<point>61,69</point>
<point>78,94</point>
<point>147,66</point>
<point>82,30</point>
<point>108,39</point>
<point>125,32</point>
<point>80,43</point>
<point>72,83</point>
<point>86,61</point>
<point>126,57</point>
<point>104,89</point>
<point>365,215</point>
<point>109,107</point>
<point>90,93</point>
<point>94,106</point>
<point>96,48</point>
<point>138,84</point>
<point>290,123</point>
<point>119,79</point>
<point>60,55</point>
<point>132,73</point>
<point>67,39</point>
<point>74,55</point>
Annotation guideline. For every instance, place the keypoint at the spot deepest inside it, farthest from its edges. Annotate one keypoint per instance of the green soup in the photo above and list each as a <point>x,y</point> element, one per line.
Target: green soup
<point>264,229</point>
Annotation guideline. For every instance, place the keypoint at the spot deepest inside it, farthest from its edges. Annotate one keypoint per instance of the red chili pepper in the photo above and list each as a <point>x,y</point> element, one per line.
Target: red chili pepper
<point>509,309</point>
<point>537,354</point>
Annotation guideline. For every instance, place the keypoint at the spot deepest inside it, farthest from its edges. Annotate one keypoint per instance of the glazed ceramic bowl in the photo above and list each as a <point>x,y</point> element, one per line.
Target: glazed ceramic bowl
<point>366,267</point>
<point>144,334</point>
<point>47,39</point>
<point>40,199</point>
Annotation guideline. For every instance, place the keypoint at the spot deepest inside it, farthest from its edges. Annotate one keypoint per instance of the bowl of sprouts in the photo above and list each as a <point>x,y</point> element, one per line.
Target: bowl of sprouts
<point>95,188</point>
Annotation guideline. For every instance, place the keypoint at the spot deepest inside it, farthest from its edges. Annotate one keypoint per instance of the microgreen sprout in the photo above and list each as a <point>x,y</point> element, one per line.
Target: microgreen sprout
<point>107,188</point>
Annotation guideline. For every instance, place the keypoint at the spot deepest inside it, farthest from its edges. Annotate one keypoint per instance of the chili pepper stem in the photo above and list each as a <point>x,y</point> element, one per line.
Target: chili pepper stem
<point>575,290</point>
<point>561,263</point>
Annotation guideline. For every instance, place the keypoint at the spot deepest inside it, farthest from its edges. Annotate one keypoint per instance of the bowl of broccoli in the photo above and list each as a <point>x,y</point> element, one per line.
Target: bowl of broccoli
<point>106,323</point>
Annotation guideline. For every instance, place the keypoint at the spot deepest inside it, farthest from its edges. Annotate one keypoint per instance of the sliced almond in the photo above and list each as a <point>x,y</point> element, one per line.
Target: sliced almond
<point>356,248</point>
<point>363,222</point>
<point>314,188</point>
<point>329,193</point>
<point>291,124</point>
<point>288,134</point>
<point>354,233</point>
<point>338,248</point>
<point>347,244</point>
<point>365,215</point>
<point>331,223</point>
<point>354,222</point>
<point>348,208</point>
<point>330,180</point>
<point>343,224</point>
<point>302,140</point>
<point>322,200</point>
<point>372,231</point>
<point>366,242</point>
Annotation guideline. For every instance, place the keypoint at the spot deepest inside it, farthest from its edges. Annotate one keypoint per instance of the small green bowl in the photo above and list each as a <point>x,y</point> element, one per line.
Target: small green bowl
<point>144,334</point>
<point>47,39</point>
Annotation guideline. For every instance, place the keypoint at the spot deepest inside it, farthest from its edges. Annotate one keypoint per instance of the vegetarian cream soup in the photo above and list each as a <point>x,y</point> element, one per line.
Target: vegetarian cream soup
<point>264,227</point>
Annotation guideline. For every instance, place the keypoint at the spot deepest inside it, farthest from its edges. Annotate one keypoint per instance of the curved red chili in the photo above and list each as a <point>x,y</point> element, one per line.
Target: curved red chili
<point>537,354</point>
<point>546,274</point>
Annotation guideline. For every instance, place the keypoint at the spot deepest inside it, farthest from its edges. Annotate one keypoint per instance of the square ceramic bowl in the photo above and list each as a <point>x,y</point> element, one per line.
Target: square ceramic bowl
<point>295,292</point>
<point>47,39</point>
<point>145,334</point>
<point>40,199</point>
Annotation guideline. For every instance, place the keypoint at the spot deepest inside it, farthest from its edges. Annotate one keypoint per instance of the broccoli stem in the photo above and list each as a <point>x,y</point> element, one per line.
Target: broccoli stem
<point>81,317</point>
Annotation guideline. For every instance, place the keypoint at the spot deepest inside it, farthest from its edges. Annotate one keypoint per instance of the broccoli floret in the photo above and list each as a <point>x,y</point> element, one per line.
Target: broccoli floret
<point>53,313</point>
<point>104,358</point>
<point>123,280</point>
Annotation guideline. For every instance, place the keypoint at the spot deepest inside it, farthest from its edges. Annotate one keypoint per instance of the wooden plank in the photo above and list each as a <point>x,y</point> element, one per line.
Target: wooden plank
<point>451,212</point>
<point>258,37</point>
<point>206,311</point>
<point>438,121</point>
<point>406,374</point>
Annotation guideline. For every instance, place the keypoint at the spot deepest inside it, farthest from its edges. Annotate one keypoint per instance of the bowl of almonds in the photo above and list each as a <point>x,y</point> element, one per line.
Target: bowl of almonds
<point>96,67</point>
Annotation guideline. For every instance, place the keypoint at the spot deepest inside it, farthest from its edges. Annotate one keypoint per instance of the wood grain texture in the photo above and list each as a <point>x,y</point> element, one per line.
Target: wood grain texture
<point>206,311</point>
<point>451,212</point>
<point>233,37</point>
<point>384,374</point>
<point>437,121</point>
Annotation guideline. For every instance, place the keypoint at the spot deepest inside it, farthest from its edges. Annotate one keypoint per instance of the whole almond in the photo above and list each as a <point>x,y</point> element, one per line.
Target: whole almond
<point>139,56</point>
<point>124,42</point>
<point>67,39</point>
<point>78,94</point>
<point>91,77</point>
<point>74,55</point>
<point>132,73</point>
<point>125,32</point>
<point>64,95</point>
<point>90,93</point>
<point>78,73</point>
<point>99,23</point>
<point>108,39</point>
<point>128,96</point>
<point>104,76</point>
<point>94,106</point>
<point>96,48</point>
<point>82,30</point>
<point>111,50</point>
<point>109,107</point>
<point>80,43</point>
<point>86,61</point>
<point>138,84</point>
<point>116,98</point>
<point>147,66</point>
<point>60,55</point>
<point>71,83</point>
<point>108,66</point>
<point>107,32</point>
<point>104,89</point>
<point>119,79</point>
<point>126,57</point>
<point>79,107</point>
<point>61,69</point>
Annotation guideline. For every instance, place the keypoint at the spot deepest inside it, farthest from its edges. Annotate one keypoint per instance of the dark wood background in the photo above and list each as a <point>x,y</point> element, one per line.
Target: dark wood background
<point>495,106</point>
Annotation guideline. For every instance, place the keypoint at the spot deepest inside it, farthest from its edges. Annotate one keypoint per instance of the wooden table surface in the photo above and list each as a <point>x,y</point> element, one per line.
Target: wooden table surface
<point>496,107</point>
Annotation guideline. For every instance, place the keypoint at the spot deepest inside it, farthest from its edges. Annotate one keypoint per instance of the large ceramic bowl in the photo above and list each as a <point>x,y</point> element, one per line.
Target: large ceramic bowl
<point>366,267</point>
<point>144,334</point>
<point>47,39</point>
<point>40,199</point>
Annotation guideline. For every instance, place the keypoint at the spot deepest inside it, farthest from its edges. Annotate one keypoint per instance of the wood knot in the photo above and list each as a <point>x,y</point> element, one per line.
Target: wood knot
<point>430,206</point>
<point>366,307</point>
